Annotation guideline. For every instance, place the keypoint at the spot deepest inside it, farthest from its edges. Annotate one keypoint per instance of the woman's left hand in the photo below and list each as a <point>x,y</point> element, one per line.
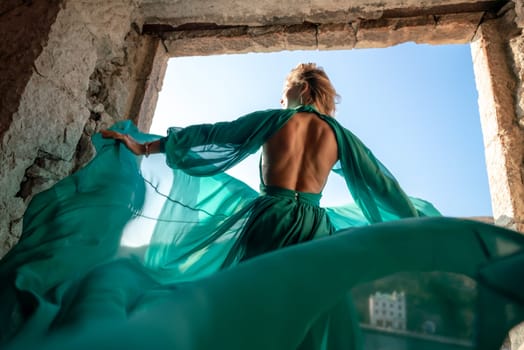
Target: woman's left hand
<point>132,144</point>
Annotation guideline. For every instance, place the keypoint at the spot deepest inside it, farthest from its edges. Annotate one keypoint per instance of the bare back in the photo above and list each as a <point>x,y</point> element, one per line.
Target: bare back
<point>300,155</point>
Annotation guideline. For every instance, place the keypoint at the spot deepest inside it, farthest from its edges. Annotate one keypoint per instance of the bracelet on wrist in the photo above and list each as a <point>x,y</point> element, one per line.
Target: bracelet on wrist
<point>147,149</point>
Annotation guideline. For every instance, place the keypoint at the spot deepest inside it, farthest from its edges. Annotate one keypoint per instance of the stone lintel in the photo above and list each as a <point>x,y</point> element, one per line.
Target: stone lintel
<point>240,40</point>
<point>215,40</point>
<point>428,29</point>
<point>341,36</point>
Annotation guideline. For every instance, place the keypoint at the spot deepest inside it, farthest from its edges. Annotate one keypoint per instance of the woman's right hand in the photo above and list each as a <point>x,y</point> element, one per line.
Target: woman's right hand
<point>132,144</point>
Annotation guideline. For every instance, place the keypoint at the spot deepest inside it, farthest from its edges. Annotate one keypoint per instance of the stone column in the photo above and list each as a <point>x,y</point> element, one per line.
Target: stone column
<point>149,78</point>
<point>498,80</point>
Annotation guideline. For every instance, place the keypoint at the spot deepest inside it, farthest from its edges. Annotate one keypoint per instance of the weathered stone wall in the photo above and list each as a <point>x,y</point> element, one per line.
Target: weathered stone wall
<point>82,64</point>
<point>24,30</point>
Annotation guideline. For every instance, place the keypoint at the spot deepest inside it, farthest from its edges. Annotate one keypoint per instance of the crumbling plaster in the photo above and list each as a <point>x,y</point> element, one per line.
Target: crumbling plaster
<point>91,63</point>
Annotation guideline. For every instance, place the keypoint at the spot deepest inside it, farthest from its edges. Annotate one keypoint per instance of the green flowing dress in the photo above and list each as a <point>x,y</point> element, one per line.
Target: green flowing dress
<point>132,253</point>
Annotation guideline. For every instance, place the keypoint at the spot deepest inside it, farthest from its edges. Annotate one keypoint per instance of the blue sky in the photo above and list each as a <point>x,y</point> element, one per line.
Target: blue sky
<point>415,106</point>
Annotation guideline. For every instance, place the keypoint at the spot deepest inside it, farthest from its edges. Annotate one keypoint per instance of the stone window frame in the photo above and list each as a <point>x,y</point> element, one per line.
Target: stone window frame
<point>487,26</point>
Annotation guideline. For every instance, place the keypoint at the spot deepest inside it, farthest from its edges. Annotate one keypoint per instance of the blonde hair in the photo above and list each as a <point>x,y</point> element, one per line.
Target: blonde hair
<point>316,88</point>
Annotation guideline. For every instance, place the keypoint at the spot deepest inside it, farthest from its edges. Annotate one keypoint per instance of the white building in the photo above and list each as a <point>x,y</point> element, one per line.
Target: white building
<point>388,310</point>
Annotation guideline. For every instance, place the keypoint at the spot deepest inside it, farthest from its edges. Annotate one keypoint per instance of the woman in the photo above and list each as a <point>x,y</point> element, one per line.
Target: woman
<point>72,283</point>
<point>295,164</point>
<point>301,144</point>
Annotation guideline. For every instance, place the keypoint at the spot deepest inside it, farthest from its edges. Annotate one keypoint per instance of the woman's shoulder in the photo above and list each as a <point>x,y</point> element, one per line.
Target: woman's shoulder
<point>276,115</point>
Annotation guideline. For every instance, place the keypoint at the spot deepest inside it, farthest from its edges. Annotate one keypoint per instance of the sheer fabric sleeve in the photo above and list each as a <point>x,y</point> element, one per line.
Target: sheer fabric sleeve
<point>209,149</point>
<point>373,187</point>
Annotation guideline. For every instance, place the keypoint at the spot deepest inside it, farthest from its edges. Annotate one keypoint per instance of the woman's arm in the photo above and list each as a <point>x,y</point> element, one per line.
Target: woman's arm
<point>208,149</point>
<point>135,147</point>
